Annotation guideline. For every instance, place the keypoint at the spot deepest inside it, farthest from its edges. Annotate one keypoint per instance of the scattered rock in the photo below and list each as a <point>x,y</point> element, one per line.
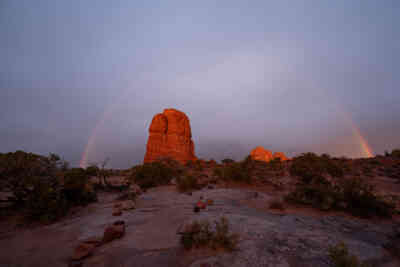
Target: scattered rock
<point>96,241</point>
<point>128,205</point>
<point>83,250</point>
<point>114,231</point>
<point>170,136</point>
<point>201,205</point>
<point>117,212</point>
<point>135,189</point>
<point>75,263</point>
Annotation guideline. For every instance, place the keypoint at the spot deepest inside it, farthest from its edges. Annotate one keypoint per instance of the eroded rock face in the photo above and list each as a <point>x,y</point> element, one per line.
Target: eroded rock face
<point>280,155</point>
<point>262,154</point>
<point>170,136</point>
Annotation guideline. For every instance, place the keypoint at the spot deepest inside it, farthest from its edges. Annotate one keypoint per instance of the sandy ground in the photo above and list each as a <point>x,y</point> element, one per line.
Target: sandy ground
<point>268,237</point>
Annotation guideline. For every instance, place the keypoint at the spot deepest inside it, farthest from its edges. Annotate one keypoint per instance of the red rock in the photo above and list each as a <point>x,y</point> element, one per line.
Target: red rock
<point>201,205</point>
<point>114,231</point>
<point>261,154</point>
<point>83,250</point>
<point>280,155</point>
<point>170,136</point>
<point>117,212</point>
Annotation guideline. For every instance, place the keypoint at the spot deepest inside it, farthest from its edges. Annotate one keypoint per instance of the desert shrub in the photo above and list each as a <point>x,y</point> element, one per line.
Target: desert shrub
<point>319,196</point>
<point>276,205</point>
<point>227,161</point>
<point>275,164</point>
<point>351,195</point>
<point>187,183</point>
<point>46,202</point>
<point>201,234</point>
<point>361,200</point>
<point>152,174</point>
<point>340,257</point>
<point>77,188</point>
<point>395,153</point>
<point>36,183</point>
<point>237,172</point>
<point>310,166</point>
<point>198,165</point>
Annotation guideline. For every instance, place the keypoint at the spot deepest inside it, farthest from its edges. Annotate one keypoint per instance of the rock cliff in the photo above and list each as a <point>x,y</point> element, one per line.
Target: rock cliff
<point>170,136</point>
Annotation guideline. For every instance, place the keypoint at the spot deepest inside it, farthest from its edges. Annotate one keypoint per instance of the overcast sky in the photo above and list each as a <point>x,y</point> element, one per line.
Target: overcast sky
<point>292,76</point>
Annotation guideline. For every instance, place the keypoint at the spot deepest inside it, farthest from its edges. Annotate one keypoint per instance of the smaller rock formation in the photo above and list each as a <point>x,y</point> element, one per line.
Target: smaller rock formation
<point>262,154</point>
<point>280,155</point>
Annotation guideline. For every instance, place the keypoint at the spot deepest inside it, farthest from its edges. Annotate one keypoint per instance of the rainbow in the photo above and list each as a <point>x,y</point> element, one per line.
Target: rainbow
<point>84,162</point>
<point>365,149</point>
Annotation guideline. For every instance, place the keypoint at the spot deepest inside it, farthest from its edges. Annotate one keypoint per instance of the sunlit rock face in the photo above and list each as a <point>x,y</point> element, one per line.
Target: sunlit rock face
<point>280,155</point>
<point>262,154</point>
<point>170,136</point>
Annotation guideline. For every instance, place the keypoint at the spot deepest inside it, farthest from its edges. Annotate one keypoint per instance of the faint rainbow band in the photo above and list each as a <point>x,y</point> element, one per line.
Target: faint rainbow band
<point>366,150</point>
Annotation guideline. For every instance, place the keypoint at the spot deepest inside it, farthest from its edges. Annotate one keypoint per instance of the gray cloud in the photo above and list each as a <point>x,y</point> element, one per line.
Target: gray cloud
<point>291,76</point>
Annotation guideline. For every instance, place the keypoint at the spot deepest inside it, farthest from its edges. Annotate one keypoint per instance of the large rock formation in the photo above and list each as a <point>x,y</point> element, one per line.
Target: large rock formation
<point>170,136</point>
<point>262,154</point>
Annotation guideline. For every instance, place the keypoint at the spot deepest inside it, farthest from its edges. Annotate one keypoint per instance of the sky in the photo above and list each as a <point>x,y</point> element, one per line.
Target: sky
<point>292,76</point>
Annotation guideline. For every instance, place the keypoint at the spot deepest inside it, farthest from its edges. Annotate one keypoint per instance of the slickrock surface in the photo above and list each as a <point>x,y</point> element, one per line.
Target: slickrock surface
<point>266,238</point>
<point>170,136</point>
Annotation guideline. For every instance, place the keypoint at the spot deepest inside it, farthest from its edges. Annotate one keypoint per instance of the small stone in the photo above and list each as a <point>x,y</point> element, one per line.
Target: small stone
<point>75,263</point>
<point>201,205</point>
<point>116,230</point>
<point>128,205</point>
<point>83,250</point>
<point>117,212</point>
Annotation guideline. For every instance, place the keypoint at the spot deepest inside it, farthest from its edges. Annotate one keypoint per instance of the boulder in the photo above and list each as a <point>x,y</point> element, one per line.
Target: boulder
<point>261,154</point>
<point>128,205</point>
<point>117,212</point>
<point>83,250</point>
<point>114,231</point>
<point>170,136</point>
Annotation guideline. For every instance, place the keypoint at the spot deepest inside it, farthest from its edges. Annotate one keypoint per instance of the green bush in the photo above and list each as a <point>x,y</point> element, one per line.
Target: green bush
<point>200,234</point>
<point>187,183</point>
<point>153,174</point>
<point>310,166</point>
<point>395,153</point>
<point>340,257</point>
<point>77,188</point>
<point>36,183</point>
<point>235,171</point>
<point>350,195</point>
<point>276,205</point>
<point>227,161</point>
